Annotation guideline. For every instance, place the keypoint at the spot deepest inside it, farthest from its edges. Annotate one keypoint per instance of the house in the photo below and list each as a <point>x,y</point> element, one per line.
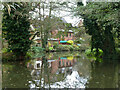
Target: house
<point>61,34</point>
<point>56,35</point>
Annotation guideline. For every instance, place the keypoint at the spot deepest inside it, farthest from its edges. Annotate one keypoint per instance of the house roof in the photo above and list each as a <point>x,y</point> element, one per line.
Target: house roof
<point>63,20</point>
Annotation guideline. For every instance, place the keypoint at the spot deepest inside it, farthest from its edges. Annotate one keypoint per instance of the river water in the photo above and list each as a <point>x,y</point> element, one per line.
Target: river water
<point>60,70</point>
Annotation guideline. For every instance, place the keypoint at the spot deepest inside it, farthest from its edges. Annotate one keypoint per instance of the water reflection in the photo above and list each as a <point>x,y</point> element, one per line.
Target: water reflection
<point>15,75</point>
<point>61,70</point>
<point>58,73</point>
<point>104,75</point>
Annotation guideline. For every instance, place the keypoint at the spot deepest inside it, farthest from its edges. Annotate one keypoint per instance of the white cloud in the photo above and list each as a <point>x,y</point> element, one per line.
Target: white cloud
<point>84,2</point>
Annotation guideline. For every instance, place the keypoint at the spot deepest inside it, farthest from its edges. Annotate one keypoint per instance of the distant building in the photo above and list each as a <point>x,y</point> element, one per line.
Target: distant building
<point>56,35</point>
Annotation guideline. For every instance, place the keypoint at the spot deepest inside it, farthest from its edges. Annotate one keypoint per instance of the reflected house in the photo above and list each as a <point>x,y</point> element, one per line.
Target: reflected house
<point>61,63</point>
<point>57,66</point>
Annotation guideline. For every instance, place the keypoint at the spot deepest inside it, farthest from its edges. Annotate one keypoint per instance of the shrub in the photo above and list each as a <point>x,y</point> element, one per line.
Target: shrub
<point>71,47</point>
<point>93,52</point>
<point>63,48</point>
<point>55,45</point>
<point>37,49</point>
<point>70,42</point>
<point>4,50</point>
<point>76,47</point>
<point>50,48</point>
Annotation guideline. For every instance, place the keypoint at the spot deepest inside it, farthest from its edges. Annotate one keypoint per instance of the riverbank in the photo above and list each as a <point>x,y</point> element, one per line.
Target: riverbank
<point>9,56</point>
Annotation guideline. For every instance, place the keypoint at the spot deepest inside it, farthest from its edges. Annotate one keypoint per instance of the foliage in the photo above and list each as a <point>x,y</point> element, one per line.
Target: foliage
<point>8,56</point>
<point>118,52</point>
<point>4,50</point>
<point>94,55</point>
<point>35,52</point>
<point>90,52</point>
<point>49,44</point>
<point>101,20</point>
<point>79,31</point>
<point>16,28</point>
<point>62,48</point>
<point>79,41</point>
<point>68,48</point>
<point>45,23</point>
<point>50,48</point>
<point>55,44</point>
<point>35,49</point>
<point>70,42</point>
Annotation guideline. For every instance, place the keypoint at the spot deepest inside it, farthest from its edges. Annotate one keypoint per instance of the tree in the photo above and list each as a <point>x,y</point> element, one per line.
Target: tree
<point>16,28</point>
<point>101,20</point>
<point>45,21</point>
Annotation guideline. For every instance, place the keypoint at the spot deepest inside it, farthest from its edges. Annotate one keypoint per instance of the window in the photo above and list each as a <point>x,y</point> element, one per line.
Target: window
<point>66,34</point>
<point>38,65</point>
<point>70,34</point>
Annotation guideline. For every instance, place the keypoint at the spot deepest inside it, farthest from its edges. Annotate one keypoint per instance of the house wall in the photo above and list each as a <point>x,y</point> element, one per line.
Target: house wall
<point>69,36</point>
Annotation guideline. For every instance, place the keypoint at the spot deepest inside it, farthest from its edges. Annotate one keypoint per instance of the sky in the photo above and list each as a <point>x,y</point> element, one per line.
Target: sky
<point>69,17</point>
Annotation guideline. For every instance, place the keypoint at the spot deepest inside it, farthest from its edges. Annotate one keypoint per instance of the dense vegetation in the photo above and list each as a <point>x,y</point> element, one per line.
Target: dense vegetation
<point>101,21</point>
<point>16,28</point>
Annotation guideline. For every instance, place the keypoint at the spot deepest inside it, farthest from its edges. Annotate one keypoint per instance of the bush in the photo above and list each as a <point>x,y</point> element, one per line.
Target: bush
<point>8,56</point>
<point>118,51</point>
<point>37,49</point>
<point>63,48</point>
<point>4,50</point>
<point>79,41</point>
<point>93,53</point>
<point>50,48</point>
<point>76,47</point>
<point>71,47</point>
<point>67,48</point>
<point>70,42</point>
<point>55,45</point>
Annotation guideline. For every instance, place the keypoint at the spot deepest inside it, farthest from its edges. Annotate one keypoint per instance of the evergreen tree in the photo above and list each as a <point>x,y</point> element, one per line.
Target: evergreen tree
<point>15,28</point>
<point>101,21</point>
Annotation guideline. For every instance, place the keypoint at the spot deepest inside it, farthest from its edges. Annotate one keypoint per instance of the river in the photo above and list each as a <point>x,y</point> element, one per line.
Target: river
<point>60,70</point>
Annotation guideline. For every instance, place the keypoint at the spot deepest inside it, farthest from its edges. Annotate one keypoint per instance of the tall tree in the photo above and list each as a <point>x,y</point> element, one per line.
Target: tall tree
<point>102,22</point>
<point>45,20</point>
<point>16,28</point>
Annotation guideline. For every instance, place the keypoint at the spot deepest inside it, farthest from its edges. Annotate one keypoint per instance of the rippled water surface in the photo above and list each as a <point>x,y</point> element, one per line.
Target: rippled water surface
<point>61,70</point>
